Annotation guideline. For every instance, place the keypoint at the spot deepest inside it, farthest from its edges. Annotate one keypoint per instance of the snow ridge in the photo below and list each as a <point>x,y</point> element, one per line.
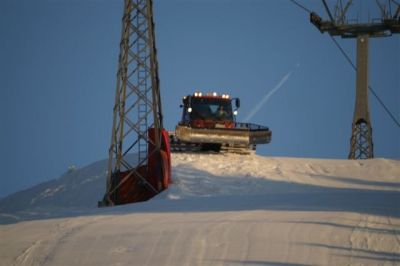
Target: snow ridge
<point>222,209</point>
<point>207,175</point>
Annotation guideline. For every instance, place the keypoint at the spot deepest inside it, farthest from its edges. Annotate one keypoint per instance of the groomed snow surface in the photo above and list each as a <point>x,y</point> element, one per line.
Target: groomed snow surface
<point>220,210</point>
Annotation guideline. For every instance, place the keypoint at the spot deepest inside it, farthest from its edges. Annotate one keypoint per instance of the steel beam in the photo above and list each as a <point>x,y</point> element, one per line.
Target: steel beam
<point>361,146</point>
<point>137,98</point>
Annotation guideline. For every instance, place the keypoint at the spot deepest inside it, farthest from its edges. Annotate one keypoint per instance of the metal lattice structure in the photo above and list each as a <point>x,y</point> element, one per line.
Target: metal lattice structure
<point>361,145</point>
<point>137,99</point>
<point>361,141</point>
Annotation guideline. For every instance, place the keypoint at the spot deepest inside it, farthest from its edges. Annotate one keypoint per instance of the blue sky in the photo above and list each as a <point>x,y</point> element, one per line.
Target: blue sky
<point>58,62</point>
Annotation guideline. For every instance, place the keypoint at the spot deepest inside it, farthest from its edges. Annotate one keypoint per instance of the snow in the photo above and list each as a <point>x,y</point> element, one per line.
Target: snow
<point>222,209</point>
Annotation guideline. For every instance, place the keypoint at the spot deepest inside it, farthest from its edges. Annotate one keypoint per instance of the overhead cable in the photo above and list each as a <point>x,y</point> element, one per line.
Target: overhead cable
<point>300,5</point>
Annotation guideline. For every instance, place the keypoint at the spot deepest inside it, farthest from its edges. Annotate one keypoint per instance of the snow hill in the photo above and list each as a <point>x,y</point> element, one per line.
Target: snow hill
<point>222,209</point>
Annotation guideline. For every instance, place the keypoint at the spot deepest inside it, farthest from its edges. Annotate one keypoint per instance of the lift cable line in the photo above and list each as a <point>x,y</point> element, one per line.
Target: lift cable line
<point>369,87</point>
<point>361,146</point>
<point>374,93</point>
<point>301,6</point>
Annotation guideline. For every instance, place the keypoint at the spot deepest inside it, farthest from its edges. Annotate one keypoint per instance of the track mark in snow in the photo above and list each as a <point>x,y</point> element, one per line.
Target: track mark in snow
<point>371,238</point>
<point>246,243</point>
<point>120,250</point>
<point>217,241</point>
<point>41,250</point>
<point>29,256</point>
<point>395,232</point>
<point>154,247</point>
<point>65,231</point>
<point>226,243</point>
<point>197,243</point>
<point>357,238</point>
<point>173,250</point>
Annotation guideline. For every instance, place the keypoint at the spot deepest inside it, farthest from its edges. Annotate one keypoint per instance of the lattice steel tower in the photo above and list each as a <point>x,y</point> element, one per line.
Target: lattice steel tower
<point>137,100</point>
<point>361,145</point>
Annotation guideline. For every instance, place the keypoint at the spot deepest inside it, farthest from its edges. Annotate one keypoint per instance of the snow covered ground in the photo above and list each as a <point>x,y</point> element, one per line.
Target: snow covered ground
<point>220,210</point>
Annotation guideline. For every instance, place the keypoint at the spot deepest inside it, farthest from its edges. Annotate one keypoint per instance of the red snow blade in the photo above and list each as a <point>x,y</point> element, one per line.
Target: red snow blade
<point>145,181</point>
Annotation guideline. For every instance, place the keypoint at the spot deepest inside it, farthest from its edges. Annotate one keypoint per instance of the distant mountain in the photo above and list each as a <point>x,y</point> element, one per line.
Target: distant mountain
<point>77,188</point>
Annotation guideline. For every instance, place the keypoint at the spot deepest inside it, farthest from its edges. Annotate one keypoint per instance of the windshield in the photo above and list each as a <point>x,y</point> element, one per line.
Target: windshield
<point>211,109</point>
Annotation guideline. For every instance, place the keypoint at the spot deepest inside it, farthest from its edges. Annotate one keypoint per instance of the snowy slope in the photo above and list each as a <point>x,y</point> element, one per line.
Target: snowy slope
<point>220,210</point>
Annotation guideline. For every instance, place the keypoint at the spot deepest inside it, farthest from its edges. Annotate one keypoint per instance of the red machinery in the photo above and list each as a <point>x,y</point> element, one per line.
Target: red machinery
<point>209,123</point>
<point>147,180</point>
